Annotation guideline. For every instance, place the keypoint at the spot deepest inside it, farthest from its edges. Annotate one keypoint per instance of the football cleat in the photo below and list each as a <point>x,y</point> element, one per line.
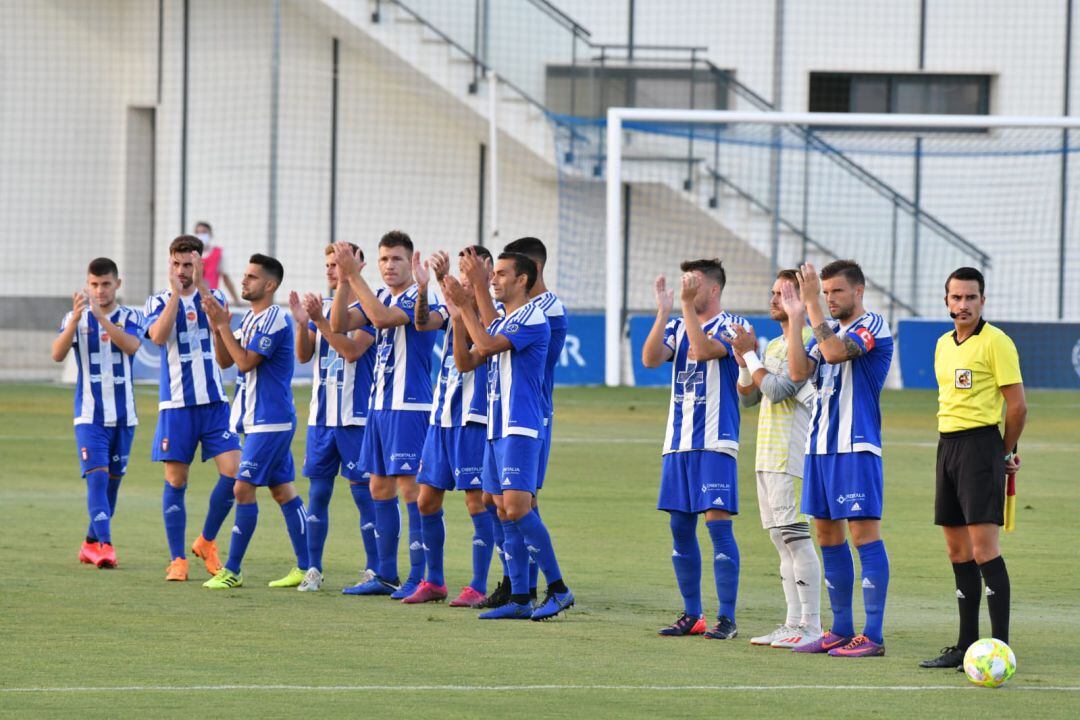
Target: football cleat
<point>509,611</point>
<point>312,581</point>
<point>724,629</point>
<point>224,579</point>
<point>292,579</point>
<point>499,597</point>
<point>685,625</point>
<point>469,597</point>
<point>177,570</point>
<point>207,550</point>
<point>796,637</point>
<point>426,592</point>
<point>106,556</point>
<point>88,553</point>
<point>950,657</point>
<point>377,586</point>
<point>860,646</point>
<point>407,588</point>
<point>553,604</point>
<point>781,631</point>
<point>823,644</point>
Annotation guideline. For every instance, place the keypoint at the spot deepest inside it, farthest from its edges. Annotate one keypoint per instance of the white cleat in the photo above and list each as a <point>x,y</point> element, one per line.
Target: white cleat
<point>793,637</point>
<point>781,631</point>
<point>312,581</point>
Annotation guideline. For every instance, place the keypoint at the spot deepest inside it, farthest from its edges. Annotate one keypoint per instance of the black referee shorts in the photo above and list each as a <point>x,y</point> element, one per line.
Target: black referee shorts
<point>970,478</point>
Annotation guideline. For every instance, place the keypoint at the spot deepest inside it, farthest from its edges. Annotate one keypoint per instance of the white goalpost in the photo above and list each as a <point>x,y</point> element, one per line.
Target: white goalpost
<point>912,195</point>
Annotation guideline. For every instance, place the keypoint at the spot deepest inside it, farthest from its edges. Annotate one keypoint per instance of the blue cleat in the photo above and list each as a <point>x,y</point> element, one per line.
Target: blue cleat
<point>405,590</point>
<point>509,611</point>
<point>554,603</point>
<point>377,586</point>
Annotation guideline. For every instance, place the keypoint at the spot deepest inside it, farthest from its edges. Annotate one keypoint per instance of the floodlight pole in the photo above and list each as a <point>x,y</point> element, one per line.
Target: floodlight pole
<point>493,153</point>
<point>613,321</point>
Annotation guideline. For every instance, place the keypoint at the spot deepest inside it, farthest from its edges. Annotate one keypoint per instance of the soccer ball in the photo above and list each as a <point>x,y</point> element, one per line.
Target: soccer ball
<point>989,662</point>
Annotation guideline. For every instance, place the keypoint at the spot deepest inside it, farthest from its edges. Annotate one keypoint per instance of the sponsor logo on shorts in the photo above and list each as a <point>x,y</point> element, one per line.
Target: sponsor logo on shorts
<point>718,501</point>
<point>475,481</point>
<point>226,435</point>
<point>851,497</point>
<point>245,473</point>
<point>407,466</point>
<point>856,507</point>
<point>963,379</point>
<point>506,482</point>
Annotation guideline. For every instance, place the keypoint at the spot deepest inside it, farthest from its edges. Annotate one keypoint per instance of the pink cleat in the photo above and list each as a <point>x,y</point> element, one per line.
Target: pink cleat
<point>426,592</point>
<point>860,646</point>
<point>469,598</point>
<point>823,644</point>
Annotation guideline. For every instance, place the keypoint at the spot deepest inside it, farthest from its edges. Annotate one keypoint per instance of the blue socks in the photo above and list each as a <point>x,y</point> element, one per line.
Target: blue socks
<point>387,529</point>
<point>517,558</point>
<point>875,584</point>
<point>296,524</point>
<point>221,504</point>
<point>840,580</point>
<point>725,565</point>
<point>318,520</point>
<point>434,538</point>
<point>538,544</point>
<point>247,517</point>
<point>416,544</point>
<point>361,493</point>
<point>499,536</point>
<point>534,567</point>
<point>482,546</point>
<point>686,557</point>
<point>97,505</point>
<point>175,514</point>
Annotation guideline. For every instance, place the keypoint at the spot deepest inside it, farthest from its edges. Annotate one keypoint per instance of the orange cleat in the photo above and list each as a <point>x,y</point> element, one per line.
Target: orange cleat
<point>106,558</point>
<point>88,553</point>
<point>177,570</point>
<point>207,550</point>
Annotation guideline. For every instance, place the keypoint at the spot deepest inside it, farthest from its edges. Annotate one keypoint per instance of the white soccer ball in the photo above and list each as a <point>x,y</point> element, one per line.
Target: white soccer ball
<point>989,663</point>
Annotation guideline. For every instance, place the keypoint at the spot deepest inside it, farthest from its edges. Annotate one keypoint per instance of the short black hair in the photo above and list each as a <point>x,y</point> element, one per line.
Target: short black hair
<point>352,246</point>
<point>102,266</point>
<point>967,273</point>
<point>523,265</point>
<point>480,250</point>
<point>271,265</point>
<point>530,247</point>
<point>848,268</point>
<point>711,268</point>
<point>186,244</point>
<point>396,238</point>
<point>204,224</point>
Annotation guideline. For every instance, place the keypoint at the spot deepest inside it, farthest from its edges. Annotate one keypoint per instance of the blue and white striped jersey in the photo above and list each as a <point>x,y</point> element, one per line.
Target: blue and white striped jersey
<point>516,376</point>
<point>846,412</point>
<point>402,375</point>
<point>189,371</point>
<point>264,399</point>
<point>103,390</point>
<point>557,320</point>
<point>704,410</point>
<point>460,398</point>
<point>340,390</point>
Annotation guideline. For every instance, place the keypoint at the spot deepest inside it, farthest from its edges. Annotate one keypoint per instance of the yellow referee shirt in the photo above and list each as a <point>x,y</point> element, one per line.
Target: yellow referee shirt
<point>970,376</point>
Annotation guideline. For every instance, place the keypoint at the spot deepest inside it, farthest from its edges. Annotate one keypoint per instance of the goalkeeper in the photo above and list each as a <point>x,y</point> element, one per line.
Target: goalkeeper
<point>976,367</point>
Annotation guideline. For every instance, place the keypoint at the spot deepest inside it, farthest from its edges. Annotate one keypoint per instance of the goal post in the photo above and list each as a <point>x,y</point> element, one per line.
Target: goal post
<point>915,195</point>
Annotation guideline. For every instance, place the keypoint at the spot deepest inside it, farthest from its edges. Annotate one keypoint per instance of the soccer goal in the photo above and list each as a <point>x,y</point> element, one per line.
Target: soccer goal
<point>910,197</point>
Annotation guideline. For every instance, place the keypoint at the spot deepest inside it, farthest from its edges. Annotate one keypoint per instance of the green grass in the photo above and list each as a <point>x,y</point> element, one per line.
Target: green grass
<point>65,625</point>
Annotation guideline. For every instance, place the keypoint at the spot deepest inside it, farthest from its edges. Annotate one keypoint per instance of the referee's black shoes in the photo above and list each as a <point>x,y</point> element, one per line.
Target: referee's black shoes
<point>950,657</point>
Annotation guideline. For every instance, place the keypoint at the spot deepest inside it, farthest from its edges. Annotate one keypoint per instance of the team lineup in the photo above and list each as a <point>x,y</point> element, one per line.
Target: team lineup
<point>485,428</point>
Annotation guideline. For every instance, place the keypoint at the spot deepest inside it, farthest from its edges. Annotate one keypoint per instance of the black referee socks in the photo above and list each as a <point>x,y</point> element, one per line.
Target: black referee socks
<point>998,591</point>
<point>968,598</point>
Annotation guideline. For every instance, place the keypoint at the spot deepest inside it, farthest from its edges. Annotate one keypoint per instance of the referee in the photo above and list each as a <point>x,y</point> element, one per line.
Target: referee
<point>976,367</point>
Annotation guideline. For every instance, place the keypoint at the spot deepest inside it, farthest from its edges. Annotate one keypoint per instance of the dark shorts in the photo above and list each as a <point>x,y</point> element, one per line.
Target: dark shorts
<point>970,478</point>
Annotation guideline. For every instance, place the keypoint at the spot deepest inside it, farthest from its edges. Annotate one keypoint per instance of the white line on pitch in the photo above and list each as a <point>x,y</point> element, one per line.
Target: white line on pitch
<point>519,688</point>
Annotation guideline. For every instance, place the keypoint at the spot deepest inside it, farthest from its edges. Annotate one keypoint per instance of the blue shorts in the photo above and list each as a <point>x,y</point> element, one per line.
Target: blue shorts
<point>179,430</point>
<point>453,458</point>
<point>843,486</point>
<point>545,453</point>
<point>330,449</point>
<point>511,463</point>
<point>698,480</point>
<point>266,458</point>
<point>393,442</point>
<point>101,446</point>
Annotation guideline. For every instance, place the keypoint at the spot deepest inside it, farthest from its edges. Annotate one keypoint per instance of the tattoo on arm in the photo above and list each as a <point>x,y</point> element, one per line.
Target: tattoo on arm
<point>852,348</point>
<point>823,332</point>
<point>422,309</point>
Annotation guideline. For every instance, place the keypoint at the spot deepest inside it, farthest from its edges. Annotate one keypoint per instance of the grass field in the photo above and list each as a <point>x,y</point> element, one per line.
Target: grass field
<point>79,642</point>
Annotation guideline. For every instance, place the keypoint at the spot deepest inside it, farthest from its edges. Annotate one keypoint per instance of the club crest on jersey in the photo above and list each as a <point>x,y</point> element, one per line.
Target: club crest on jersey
<point>962,379</point>
<point>866,336</point>
<point>265,342</point>
<point>406,303</point>
<point>190,316</point>
<point>511,328</point>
